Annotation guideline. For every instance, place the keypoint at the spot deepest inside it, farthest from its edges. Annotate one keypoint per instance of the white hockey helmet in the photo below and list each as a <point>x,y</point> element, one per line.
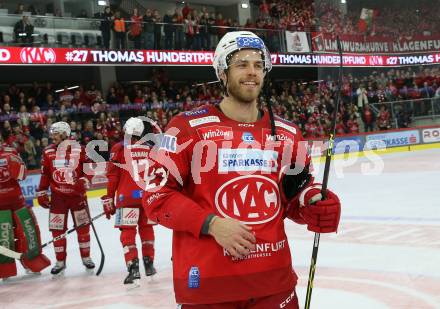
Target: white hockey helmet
<point>235,41</point>
<point>60,127</point>
<point>134,126</point>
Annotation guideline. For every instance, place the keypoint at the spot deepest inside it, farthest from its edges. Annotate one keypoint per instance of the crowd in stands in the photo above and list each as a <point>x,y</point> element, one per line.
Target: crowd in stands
<point>26,113</point>
<point>190,29</point>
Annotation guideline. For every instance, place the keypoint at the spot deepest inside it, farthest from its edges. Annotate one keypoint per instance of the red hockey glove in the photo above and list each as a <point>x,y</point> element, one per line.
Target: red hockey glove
<point>321,216</point>
<point>43,199</point>
<point>82,184</point>
<point>108,206</point>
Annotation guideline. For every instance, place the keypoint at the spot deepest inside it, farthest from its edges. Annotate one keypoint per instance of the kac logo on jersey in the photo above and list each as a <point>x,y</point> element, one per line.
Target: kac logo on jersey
<point>251,199</point>
<point>247,137</point>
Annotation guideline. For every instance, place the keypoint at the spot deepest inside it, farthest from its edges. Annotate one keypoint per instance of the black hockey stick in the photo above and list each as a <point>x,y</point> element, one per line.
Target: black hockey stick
<point>10,253</point>
<point>64,235</point>
<point>101,263</point>
<point>328,158</point>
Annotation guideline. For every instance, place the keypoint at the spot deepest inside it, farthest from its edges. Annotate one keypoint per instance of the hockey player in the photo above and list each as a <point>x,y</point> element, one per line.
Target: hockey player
<point>126,167</point>
<point>62,172</point>
<point>19,230</point>
<point>235,172</point>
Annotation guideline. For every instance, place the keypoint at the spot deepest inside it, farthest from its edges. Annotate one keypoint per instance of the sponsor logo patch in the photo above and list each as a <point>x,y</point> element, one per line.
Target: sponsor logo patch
<point>247,137</point>
<point>251,199</point>
<point>3,162</point>
<point>215,133</point>
<point>56,221</point>
<point>126,217</point>
<point>196,112</point>
<point>168,143</point>
<point>285,126</point>
<point>279,136</point>
<point>247,160</point>
<point>431,135</point>
<point>199,121</point>
<point>81,217</point>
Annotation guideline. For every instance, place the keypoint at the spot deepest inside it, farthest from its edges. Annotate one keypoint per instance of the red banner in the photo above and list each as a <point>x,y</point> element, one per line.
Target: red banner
<point>326,42</point>
<point>70,56</point>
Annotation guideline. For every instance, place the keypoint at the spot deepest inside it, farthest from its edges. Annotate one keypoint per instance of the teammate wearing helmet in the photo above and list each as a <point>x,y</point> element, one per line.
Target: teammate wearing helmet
<point>235,172</point>
<point>125,173</point>
<point>62,171</point>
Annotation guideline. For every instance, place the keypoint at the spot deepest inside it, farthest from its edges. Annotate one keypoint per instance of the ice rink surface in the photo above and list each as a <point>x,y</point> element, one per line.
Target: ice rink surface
<point>385,255</point>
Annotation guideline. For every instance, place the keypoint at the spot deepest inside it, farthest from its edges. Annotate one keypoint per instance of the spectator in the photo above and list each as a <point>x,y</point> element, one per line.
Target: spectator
<point>178,21</point>
<point>186,10</point>
<point>157,29</point>
<point>20,9</point>
<point>362,98</point>
<point>189,31</point>
<point>136,28</point>
<point>383,118</point>
<point>105,26</point>
<point>221,26</point>
<point>169,30</point>
<point>403,118</point>
<point>213,35</point>
<point>148,30</point>
<point>23,31</point>
<point>83,14</point>
<point>353,125</point>
<point>368,118</point>
<point>119,29</point>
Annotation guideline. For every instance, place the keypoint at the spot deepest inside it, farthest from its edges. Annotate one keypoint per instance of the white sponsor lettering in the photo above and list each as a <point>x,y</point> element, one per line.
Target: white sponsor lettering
<point>199,121</point>
<point>5,230</point>
<point>217,133</point>
<point>288,300</point>
<point>154,197</point>
<point>31,233</point>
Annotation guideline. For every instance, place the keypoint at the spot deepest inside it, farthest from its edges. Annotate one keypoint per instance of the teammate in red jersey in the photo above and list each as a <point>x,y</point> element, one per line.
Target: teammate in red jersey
<point>62,172</point>
<point>19,230</point>
<point>128,162</point>
<point>235,172</point>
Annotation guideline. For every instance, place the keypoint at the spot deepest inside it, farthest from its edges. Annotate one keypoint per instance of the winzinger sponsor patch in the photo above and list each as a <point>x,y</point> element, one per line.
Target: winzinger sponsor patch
<point>247,160</point>
<point>215,133</point>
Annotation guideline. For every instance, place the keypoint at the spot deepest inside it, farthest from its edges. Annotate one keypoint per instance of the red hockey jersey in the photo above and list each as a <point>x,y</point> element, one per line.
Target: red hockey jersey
<point>231,169</point>
<point>61,167</point>
<point>126,173</point>
<point>12,169</point>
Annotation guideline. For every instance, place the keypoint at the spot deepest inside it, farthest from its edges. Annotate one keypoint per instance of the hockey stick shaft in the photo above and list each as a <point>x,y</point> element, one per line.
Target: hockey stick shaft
<point>64,235</point>
<point>328,158</point>
<point>101,263</point>
<point>17,255</point>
